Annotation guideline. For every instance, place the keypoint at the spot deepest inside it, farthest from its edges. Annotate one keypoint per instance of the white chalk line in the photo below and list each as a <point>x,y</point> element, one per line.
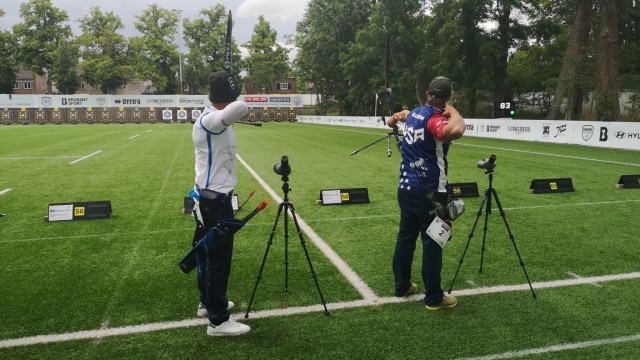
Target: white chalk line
<point>134,136</point>
<point>85,157</point>
<point>548,154</point>
<point>5,191</point>
<point>356,218</point>
<point>556,348</point>
<point>374,301</point>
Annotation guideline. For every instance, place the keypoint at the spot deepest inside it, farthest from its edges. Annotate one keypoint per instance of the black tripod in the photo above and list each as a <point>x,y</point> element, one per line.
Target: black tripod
<point>287,206</point>
<point>487,199</point>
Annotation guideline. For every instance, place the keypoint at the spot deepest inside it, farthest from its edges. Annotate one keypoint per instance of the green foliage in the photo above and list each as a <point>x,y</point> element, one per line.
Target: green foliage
<point>205,38</point>
<point>155,53</point>
<point>64,70</point>
<point>267,60</point>
<point>9,64</point>
<point>39,34</point>
<point>104,51</point>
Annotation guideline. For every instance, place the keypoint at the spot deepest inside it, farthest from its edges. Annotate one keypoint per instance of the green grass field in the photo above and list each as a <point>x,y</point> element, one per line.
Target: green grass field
<point>111,288</point>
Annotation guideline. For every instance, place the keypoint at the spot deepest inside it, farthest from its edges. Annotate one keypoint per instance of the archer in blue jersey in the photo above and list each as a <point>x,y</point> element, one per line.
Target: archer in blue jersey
<point>428,132</point>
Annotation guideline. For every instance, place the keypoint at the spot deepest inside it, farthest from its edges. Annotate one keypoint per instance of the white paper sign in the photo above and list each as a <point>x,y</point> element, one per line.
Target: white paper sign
<point>331,197</point>
<point>60,212</point>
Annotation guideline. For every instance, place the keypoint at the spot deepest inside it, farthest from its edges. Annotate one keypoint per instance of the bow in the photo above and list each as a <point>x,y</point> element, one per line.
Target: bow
<point>389,100</point>
<point>227,46</point>
<point>389,96</point>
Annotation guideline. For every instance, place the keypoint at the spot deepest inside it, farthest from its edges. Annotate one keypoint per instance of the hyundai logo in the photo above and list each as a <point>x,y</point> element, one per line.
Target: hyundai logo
<point>621,134</point>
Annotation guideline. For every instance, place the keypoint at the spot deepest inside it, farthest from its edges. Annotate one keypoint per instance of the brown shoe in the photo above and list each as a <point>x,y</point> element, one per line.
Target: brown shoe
<point>448,301</point>
<point>412,290</point>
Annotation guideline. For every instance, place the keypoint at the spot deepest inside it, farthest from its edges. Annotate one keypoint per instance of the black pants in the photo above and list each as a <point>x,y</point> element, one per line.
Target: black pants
<point>214,267</point>
<point>414,221</point>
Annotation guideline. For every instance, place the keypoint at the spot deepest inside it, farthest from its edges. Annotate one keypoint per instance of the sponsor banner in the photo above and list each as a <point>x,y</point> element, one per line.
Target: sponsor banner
<point>17,101</point>
<point>282,101</point>
<point>620,135</point>
<point>193,101</point>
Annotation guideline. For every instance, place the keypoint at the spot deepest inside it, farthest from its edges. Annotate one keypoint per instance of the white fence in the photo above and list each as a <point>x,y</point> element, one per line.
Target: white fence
<point>618,135</point>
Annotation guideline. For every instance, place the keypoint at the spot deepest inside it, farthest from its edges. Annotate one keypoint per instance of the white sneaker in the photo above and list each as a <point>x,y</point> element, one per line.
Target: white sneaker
<point>202,310</point>
<point>227,328</point>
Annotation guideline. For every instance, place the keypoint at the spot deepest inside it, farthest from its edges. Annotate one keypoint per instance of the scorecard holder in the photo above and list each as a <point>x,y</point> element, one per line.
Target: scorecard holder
<point>90,210</point>
<point>548,186</point>
<point>463,190</point>
<point>343,196</point>
<point>629,182</point>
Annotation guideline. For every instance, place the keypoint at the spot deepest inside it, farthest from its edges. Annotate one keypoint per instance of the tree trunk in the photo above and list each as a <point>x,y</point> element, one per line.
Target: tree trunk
<point>573,66</point>
<point>607,60</point>
<point>504,41</point>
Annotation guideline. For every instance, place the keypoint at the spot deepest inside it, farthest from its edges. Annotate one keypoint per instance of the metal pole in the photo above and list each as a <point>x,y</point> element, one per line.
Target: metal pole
<point>179,11</point>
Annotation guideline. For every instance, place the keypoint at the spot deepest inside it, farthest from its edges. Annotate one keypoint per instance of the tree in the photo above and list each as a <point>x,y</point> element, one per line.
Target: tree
<point>104,52</point>
<point>9,65</point>
<point>155,52</point>
<point>324,35</point>
<point>267,60</point>
<point>64,71</point>
<point>573,80</point>
<point>39,36</point>
<point>205,38</point>
<point>607,95</point>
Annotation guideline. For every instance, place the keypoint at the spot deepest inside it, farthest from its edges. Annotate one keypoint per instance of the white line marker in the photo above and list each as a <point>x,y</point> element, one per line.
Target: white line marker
<point>38,157</point>
<point>134,136</point>
<point>85,157</point>
<point>145,328</point>
<point>148,131</point>
<point>555,348</point>
<point>576,276</point>
<point>5,191</point>
<point>547,154</point>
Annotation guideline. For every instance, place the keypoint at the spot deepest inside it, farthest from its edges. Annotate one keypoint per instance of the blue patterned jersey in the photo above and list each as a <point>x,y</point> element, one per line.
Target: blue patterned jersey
<point>424,151</point>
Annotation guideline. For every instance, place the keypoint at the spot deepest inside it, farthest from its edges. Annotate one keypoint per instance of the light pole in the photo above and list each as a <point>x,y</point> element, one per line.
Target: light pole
<point>179,12</point>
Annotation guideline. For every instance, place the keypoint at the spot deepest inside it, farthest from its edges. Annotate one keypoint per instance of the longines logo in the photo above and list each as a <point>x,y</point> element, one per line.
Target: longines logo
<point>587,132</point>
<point>519,129</point>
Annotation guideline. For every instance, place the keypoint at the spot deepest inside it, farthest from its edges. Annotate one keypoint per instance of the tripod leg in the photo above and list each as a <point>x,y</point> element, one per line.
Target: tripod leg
<point>286,247</point>
<point>264,259</point>
<point>484,199</point>
<point>306,253</point>
<point>513,241</point>
<point>486,226</point>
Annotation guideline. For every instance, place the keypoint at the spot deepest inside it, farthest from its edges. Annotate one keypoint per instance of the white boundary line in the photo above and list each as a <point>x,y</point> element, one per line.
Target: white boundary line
<point>145,328</point>
<point>556,155</point>
<point>554,348</point>
<point>5,191</point>
<point>85,157</point>
<point>37,157</point>
<point>134,136</point>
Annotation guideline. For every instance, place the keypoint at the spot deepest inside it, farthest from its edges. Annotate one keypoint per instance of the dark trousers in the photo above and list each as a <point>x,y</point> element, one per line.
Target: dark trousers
<point>214,266</point>
<point>414,221</point>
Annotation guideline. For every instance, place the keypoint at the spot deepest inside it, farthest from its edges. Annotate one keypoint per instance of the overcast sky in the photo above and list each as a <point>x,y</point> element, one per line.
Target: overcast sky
<point>283,15</point>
